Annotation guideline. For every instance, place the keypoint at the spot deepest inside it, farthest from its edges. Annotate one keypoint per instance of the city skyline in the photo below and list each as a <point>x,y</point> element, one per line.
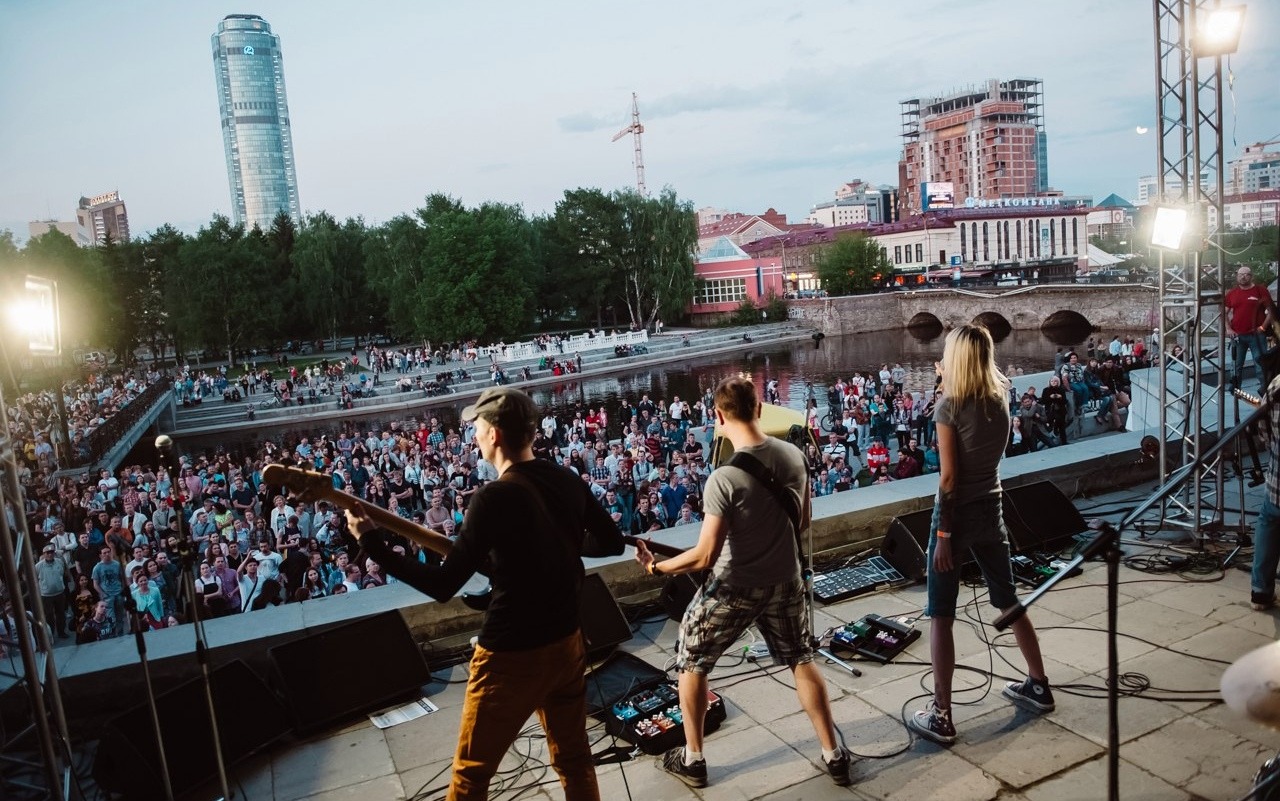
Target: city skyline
<point>745,106</point>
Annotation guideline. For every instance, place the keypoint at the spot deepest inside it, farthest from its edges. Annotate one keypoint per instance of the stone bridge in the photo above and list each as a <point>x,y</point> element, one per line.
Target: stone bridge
<point>1108,306</point>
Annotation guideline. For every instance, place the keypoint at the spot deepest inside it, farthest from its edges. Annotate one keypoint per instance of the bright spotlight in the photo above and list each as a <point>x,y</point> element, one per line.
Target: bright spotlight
<point>35,315</point>
<point>1218,32</point>
<point>1169,228</point>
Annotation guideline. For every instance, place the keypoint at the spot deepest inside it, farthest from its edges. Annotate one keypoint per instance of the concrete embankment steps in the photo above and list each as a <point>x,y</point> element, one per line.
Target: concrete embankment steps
<point>215,415</point>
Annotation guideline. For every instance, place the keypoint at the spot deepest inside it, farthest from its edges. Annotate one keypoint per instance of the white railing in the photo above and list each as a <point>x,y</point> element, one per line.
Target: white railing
<point>578,343</point>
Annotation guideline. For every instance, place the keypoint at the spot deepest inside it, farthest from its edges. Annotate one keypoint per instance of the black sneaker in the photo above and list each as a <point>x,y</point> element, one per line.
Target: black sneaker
<point>934,724</point>
<point>1030,694</point>
<point>694,775</point>
<point>838,769</point>
<point>1260,602</point>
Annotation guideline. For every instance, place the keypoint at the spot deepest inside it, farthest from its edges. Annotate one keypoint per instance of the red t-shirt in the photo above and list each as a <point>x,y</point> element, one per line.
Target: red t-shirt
<point>1248,308</point>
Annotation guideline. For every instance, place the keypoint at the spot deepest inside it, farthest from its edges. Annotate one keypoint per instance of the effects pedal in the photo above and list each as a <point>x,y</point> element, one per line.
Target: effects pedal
<point>876,637</point>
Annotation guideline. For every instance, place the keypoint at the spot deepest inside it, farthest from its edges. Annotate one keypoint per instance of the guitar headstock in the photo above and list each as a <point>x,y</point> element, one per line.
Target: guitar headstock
<point>305,484</point>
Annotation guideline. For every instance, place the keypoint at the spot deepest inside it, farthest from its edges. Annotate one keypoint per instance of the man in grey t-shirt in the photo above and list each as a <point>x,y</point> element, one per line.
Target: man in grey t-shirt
<point>748,542</point>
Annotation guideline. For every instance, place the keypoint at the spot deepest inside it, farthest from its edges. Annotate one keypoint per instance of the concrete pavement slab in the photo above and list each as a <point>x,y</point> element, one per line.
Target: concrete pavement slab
<point>1020,748</point>
<point>1200,758</point>
<point>328,763</point>
<point>1088,781</point>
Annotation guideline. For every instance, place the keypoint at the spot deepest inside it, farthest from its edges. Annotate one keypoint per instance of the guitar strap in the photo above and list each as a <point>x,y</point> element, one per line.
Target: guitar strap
<point>788,501</point>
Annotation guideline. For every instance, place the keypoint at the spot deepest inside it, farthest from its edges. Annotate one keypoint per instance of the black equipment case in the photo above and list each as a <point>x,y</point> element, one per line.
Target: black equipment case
<point>637,702</point>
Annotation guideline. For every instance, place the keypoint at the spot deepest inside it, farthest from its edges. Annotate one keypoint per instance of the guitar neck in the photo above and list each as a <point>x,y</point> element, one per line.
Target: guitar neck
<point>428,538</point>
<point>656,547</point>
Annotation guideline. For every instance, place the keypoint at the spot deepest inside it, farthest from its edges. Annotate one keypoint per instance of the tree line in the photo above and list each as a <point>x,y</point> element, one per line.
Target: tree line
<point>441,272</point>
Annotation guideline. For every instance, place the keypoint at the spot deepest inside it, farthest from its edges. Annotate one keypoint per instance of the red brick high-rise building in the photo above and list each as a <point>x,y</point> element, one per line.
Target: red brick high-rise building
<point>988,141</point>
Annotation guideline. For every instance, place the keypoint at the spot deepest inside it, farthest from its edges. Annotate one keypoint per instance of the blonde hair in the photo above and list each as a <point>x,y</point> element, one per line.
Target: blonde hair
<point>969,369</point>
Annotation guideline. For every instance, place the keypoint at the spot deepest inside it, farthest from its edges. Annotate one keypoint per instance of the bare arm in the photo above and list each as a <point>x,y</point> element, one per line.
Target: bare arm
<point>700,557</point>
<point>948,462</point>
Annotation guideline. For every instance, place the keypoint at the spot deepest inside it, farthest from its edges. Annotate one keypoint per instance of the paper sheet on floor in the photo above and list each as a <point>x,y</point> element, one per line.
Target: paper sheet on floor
<point>403,714</point>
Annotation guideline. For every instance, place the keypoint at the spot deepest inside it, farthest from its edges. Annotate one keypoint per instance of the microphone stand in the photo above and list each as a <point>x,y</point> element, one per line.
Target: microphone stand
<point>135,617</point>
<point>186,555</point>
<point>1107,544</point>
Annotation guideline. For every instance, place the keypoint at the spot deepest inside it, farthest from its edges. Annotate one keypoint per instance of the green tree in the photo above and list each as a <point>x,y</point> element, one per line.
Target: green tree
<point>453,273</point>
<point>853,263</point>
<point>330,262</point>
<point>394,260</point>
<point>161,257</point>
<point>656,252</point>
<point>583,271</point>
<point>217,296</point>
<point>123,263</point>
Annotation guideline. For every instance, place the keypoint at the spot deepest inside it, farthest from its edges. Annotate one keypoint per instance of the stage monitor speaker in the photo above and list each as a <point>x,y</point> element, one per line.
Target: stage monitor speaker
<point>250,717</point>
<point>1040,518</point>
<point>349,670</point>
<point>906,542</point>
<point>604,627</point>
<point>902,546</point>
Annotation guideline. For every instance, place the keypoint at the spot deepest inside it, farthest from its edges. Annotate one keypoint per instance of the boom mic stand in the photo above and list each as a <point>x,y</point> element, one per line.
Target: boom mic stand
<point>135,618</point>
<point>1107,544</point>
<point>186,554</point>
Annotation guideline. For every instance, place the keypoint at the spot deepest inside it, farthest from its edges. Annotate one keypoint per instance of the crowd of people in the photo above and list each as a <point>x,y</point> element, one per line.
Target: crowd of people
<point>89,402</point>
<point>647,465</point>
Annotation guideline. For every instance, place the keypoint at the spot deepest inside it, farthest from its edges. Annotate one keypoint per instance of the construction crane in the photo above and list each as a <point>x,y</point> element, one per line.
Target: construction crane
<point>635,129</point>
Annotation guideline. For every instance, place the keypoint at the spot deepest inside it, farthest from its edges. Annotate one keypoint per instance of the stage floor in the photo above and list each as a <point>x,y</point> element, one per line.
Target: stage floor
<point>1173,627</point>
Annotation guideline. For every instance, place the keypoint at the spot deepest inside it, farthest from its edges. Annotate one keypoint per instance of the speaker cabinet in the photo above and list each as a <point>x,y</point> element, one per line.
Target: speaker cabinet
<point>250,717</point>
<point>904,548</point>
<point>349,670</point>
<point>604,627</point>
<point>1041,518</point>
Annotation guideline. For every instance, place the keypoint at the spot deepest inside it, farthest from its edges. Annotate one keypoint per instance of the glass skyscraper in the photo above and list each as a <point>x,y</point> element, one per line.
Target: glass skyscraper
<point>255,121</point>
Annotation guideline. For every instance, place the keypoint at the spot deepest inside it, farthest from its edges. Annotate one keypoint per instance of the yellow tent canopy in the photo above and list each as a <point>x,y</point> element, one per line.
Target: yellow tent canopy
<point>775,421</point>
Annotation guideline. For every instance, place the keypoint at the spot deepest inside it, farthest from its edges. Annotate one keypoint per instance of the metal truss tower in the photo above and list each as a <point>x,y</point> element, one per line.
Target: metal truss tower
<point>1190,173</point>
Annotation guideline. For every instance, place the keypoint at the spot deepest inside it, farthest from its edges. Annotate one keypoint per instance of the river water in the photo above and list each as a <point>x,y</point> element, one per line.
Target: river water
<point>792,364</point>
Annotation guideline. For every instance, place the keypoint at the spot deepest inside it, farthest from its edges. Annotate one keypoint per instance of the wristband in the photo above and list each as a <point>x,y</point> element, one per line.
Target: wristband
<point>653,568</point>
<point>942,535</point>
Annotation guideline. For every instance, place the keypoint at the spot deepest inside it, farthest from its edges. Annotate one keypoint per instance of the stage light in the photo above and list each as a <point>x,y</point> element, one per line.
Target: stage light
<point>1218,32</point>
<point>1169,228</point>
<point>35,316</point>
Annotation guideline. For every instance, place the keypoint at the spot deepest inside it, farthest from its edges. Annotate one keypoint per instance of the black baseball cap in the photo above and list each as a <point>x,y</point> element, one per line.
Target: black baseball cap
<point>507,409</point>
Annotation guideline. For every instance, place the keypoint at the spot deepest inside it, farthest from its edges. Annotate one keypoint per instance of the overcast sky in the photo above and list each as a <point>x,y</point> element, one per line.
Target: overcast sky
<point>745,104</point>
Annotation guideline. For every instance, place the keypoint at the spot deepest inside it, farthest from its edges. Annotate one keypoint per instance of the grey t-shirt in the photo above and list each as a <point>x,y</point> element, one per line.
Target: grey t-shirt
<point>982,432</point>
<point>760,547</point>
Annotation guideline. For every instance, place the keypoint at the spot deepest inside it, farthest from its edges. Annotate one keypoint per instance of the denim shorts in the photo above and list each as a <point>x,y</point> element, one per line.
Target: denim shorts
<point>719,613</point>
<point>977,528</point>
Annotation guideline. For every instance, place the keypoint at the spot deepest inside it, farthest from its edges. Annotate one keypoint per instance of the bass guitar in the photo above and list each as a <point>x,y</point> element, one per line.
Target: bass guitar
<point>310,486</point>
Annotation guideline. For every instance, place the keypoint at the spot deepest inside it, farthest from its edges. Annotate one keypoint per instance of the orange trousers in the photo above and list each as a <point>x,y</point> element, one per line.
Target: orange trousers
<point>505,688</point>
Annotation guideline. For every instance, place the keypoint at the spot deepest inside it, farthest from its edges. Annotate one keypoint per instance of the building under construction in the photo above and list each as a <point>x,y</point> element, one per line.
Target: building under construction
<point>987,141</point>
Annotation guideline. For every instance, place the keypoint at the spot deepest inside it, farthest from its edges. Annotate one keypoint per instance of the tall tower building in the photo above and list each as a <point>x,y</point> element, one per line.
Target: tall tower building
<point>256,135</point>
<point>988,141</point>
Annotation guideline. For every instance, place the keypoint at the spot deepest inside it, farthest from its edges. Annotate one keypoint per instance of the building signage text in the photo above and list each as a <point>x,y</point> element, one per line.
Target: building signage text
<point>983,203</point>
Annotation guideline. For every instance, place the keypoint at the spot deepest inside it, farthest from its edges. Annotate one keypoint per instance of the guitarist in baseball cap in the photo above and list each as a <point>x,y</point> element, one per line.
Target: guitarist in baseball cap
<point>528,531</point>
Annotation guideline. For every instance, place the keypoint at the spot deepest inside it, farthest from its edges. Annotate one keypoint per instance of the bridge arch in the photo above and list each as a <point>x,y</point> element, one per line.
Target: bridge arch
<point>1066,318</point>
<point>995,323</point>
<point>924,320</point>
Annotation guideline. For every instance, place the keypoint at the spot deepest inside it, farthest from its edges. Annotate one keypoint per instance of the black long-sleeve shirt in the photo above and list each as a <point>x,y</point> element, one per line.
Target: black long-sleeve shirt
<point>534,563</point>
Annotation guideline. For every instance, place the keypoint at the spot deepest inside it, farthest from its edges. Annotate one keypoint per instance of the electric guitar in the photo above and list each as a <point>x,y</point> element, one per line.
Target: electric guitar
<point>311,486</point>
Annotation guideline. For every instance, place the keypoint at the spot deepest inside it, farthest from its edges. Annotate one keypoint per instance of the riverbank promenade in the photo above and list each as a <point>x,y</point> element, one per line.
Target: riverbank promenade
<point>1178,631</point>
